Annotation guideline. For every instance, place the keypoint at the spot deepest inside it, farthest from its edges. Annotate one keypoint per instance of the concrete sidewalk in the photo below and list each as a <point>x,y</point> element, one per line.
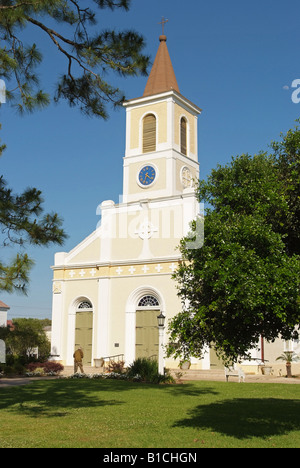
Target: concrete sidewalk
<point>190,374</point>
<point>213,375</point>
<point>219,375</point>
<point>14,381</point>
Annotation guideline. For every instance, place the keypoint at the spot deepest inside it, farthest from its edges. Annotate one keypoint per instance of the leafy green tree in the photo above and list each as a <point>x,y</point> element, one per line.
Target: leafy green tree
<point>287,154</point>
<point>69,25</point>
<point>244,282</point>
<point>26,336</point>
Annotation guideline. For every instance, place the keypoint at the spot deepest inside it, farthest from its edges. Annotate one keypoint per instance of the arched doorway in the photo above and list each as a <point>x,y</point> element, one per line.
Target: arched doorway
<point>84,330</point>
<point>146,329</point>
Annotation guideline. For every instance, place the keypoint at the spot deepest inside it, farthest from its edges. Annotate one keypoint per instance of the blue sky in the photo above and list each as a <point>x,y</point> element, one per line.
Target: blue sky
<point>236,60</point>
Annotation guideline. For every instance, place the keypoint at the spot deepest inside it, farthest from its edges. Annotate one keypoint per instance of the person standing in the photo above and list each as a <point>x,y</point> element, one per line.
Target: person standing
<point>78,356</point>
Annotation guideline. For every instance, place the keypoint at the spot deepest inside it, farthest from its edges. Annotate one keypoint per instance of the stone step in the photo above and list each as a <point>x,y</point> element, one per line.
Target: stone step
<point>195,374</point>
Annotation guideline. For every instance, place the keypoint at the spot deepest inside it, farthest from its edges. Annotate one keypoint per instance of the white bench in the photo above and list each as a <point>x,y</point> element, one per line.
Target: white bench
<point>230,371</point>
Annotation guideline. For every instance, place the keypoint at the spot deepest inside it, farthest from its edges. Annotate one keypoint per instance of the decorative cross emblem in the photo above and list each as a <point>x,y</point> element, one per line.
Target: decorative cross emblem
<point>146,230</point>
<point>163,22</point>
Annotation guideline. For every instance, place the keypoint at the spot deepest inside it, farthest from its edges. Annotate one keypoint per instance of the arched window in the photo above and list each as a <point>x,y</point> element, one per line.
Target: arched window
<point>149,133</point>
<point>85,305</point>
<point>148,301</point>
<point>183,136</point>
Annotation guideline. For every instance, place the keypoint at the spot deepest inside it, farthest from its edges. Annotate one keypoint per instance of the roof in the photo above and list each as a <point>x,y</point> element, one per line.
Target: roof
<point>162,77</point>
<point>3,305</point>
<point>10,324</point>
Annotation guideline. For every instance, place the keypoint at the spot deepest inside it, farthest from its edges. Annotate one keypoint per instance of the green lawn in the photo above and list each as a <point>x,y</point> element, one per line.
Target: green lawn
<point>111,414</point>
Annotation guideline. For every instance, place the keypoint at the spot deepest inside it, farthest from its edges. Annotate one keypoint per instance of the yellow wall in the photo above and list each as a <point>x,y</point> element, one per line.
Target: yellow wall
<point>89,254</point>
<point>180,112</point>
<point>160,182</point>
<point>160,109</point>
<point>109,272</point>
<point>121,290</point>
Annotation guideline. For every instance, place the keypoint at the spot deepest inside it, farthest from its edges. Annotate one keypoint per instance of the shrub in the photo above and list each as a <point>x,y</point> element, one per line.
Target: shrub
<point>52,367</point>
<point>13,366</point>
<point>146,370</point>
<point>49,367</point>
<point>38,371</point>
<point>116,366</point>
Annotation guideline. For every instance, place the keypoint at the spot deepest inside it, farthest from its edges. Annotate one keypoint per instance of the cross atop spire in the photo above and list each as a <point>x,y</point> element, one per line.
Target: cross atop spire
<point>162,77</point>
<point>163,22</point>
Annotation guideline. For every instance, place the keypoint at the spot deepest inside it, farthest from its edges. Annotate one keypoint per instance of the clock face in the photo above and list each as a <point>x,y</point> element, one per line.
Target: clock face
<point>147,175</point>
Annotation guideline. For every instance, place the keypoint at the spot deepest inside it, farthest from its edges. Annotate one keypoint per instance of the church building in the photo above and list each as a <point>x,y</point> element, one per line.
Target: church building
<point>109,290</point>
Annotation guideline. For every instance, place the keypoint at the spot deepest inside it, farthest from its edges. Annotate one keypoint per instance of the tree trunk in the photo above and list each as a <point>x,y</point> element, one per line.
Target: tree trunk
<point>288,369</point>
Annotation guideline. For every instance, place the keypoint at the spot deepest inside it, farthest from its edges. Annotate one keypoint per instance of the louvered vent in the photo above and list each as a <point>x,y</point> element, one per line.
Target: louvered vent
<point>149,134</point>
<point>183,136</point>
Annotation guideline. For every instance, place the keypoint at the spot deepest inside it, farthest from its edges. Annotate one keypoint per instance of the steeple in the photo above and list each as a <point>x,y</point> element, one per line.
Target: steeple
<point>162,77</point>
<point>161,158</point>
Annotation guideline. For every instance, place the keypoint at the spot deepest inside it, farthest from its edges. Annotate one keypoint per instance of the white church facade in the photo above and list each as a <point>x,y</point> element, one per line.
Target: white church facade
<point>109,290</point>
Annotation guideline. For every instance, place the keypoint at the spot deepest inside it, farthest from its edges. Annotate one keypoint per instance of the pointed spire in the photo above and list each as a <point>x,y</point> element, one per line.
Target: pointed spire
<point>162,77</point>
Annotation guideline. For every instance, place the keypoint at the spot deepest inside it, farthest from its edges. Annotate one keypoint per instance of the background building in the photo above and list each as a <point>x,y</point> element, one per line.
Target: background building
<point>3,314</point>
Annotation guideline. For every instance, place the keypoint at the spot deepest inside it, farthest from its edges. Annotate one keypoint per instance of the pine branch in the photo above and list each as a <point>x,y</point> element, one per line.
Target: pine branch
<point>15,277</point>
<point>88,58</point>
<point>13,7</point>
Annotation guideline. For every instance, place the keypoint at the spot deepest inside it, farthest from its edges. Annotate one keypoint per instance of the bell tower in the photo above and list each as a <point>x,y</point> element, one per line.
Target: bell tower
<point>161,158</point>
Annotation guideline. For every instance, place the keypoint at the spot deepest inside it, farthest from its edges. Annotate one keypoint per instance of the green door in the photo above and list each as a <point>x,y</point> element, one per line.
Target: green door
<point>146,336</point>
<point>215,362</point>
<point>84,335</point>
